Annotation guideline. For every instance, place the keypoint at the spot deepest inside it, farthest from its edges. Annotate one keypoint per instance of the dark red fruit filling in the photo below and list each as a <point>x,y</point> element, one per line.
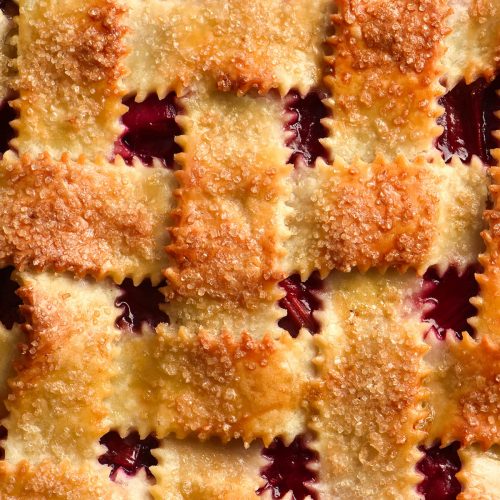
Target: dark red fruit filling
<point>306,127</point>
<point>7,114</point>
<point>9,301</point>
<point>140,305</point>
<point>9,8</point>
<point>128,454</point>
<point>439,466</point>
<point>300,302</point>
<point>468,120</point>
<point>3,436</point>
<point>288,469</point>
<point>150,130</point>
<point>447,300</point>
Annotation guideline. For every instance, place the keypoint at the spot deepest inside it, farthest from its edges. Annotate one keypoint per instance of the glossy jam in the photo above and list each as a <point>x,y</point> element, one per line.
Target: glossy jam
<point>439,466</point>
<point>9,8</point>
<point>3,436</point>
<point>305,126</point>
<point>7,114</point>
<point>468,120</point>
<point>150,130</point>
<point>9,301</point>
<point>129,454</point>
<point>446,300</point>
<point>300,302</point>
<point>140,305</point>
<point>288,469</point>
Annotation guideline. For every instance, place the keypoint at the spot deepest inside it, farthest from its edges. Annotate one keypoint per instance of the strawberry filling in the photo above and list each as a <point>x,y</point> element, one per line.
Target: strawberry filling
<point>288,469</point>
<point>469,120</point>
<point>304,127</point>
<point>300,302</point>
<point>446,300</point>
<point>9,301</point>
<point>439,466</point>
<point>129,454</point>
<point>150,130</point>
<point>140,305</point>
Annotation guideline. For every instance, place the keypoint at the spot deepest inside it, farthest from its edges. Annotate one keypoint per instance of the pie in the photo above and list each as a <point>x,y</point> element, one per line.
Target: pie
<point>250,249</point>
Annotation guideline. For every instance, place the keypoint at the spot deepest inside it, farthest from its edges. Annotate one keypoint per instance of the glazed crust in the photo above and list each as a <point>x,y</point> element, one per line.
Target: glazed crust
<point>58,481</point>
<point>385,81</point>
<point>96,219</point>
<point>56,408</point>
<point>209,470</point>
<point>174,44</point>
<point>212,386</point>
<point>227,241</point>
<point>69,62</point>
<point>385,214</point>
<point>473,46</point>
<point>488,303</point>
<point>369,395</point>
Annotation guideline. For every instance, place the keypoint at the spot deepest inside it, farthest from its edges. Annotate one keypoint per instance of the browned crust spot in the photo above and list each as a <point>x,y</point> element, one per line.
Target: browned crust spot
<point>377,215</point>
<point>81,217</point>
<point>221,253</point>
<point>400,33</point>
<point>473,382</point>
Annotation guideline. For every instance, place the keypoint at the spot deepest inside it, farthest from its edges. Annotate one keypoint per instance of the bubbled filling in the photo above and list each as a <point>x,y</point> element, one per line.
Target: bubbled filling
<point>9,301</point>
<point>128,454</point>
<point>150,130</point>
<point>439,466</point>
<point>7,114</point>
<point>446,300</point>
<point>305,128</point>
<point>140,305</point>
<point>300,302</point>
<point>9,8</point>
<point>469,120</point>
<point>289,469</point>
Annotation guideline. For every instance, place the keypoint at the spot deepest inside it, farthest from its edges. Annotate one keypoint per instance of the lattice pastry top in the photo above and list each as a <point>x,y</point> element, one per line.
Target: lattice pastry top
<point>249,248</point>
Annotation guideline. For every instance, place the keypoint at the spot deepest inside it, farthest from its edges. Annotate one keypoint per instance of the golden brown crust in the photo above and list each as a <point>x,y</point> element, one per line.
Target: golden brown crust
<point>212,385</point>
<point>9,340</point>
<point>227,241</point>
<point>478,475</point>
<point>466,393</point>
<point>386,214</point>
<point>369,394</point>
<point>55,481</point>
<point>239,45</point>
<point>70,65</point>
<point>487,320</point>
<point>364,215</point>
<point>6,61</point>
<point>473,47</point>
<point>63,375</point>
<point>190,470</point>
<point>385,77</point>
<point>87,218</point>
